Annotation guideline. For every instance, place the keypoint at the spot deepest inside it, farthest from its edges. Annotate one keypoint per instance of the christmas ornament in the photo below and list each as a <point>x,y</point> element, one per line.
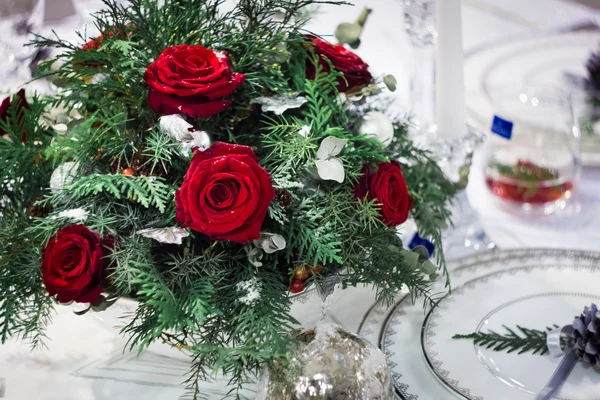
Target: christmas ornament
<point>328,166</point>
<point>301,273</point>
<point>270,242</point>
<point>378,126</point>
<point>171,234</point>
<point>329,363</point>
<point>297,286</point>
<point>279,104</point>
<point>128,172</point>
<point>63,175</point>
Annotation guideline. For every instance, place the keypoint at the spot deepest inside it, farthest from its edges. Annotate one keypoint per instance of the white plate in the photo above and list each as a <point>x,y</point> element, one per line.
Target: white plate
<point>533,296</point>
<point>541,60</point>
<point>398,333</point>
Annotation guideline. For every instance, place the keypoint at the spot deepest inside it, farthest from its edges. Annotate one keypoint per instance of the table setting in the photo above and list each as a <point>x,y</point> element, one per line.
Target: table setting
<point>482,283</point>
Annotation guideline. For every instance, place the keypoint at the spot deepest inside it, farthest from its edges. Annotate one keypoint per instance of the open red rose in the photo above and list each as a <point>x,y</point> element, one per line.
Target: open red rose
<point>74,264</point>
<point>225,193</point>
<point>191,80</point>
<point>15,124</point>
<point>355,70</point>
<point>388,187</point>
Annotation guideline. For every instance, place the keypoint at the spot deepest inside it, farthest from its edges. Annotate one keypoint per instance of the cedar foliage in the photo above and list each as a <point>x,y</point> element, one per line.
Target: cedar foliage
<point>188,295</point>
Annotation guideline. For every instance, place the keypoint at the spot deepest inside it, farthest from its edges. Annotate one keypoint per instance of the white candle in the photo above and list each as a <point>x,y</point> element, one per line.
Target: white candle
<point>450,79</point>
<point>57,10</point>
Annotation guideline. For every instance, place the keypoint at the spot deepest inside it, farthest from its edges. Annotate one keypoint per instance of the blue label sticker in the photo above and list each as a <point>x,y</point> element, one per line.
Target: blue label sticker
<point>502,127</point>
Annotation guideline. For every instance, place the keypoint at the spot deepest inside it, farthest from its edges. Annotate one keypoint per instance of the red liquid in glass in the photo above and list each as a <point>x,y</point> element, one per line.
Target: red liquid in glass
<point>525,193</point>
<point>526,182</point>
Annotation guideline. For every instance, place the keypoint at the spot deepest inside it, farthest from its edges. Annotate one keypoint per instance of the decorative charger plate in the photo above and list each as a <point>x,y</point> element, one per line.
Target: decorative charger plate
<point>398,332</point>
<point>541,60</point>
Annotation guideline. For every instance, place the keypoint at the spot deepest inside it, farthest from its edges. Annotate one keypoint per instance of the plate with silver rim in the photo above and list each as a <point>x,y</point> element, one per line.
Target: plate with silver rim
<point>534,296</point>
<point>530,60</point>
<point>397,331</point>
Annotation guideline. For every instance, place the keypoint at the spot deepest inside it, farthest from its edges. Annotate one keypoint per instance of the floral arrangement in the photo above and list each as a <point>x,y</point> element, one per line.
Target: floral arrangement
<point>208,164</point>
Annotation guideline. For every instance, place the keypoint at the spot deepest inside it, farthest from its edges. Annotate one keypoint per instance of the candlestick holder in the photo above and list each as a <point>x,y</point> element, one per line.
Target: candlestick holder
<point>419,23</point>
<point>454,155</point>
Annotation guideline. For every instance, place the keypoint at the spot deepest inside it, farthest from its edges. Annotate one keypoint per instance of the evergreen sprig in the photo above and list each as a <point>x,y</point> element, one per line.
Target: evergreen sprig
<point>522,341</point>
<point>146,190</point>
<point>190,295</point>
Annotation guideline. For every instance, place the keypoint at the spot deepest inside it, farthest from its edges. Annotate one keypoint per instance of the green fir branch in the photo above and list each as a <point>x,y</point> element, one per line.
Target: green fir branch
<point>522,341</point>
<point>146,190</point>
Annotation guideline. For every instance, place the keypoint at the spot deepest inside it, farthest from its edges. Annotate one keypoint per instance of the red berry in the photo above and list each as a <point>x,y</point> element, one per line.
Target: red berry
<point>128,172</point>
<point>297,286</point>
<point>301,274</point>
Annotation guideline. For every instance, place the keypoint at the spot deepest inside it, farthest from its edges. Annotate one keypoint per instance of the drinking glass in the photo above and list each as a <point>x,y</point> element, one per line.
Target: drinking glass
<point>533,150</point>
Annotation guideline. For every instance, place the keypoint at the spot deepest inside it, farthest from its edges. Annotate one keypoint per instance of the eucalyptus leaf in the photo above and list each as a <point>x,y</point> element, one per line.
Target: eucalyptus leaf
<point>390,82</point>
<point>355,45</point>
<point>463,174</point>
<point>348,32</point>
<point>422,252</point>
<point>428,267</point>
<point>411,258</point>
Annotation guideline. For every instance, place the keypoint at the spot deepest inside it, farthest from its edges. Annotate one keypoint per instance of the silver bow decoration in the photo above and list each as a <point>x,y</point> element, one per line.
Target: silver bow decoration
<point>578,346</point>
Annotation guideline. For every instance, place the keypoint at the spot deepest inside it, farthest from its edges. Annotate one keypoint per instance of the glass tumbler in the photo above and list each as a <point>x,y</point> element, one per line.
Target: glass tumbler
<point>533,151</point>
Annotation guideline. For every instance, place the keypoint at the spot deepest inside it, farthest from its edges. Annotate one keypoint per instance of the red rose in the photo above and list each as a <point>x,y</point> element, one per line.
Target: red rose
<point>191,80</point>
<point>225,193</point>
<point>20,114</point>
<point>388,187</point>
<point>74,264</point>
<point>355,70</point>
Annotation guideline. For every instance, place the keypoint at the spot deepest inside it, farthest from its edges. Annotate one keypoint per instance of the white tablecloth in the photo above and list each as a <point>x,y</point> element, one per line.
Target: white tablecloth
<point>67,369</point>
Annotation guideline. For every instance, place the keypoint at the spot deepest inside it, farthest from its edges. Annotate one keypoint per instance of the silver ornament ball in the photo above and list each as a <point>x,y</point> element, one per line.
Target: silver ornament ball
<point>377,125</point>
<point>330,363</point>
<point>63,175</point>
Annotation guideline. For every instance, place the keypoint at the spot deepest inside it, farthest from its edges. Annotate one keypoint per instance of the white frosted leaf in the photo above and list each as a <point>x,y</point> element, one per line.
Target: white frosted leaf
<point>331,170</point>
<point>176,127</point>
<point>279,104</point>
<point>330,147</point>
<point>172,235</point>
<point>270,242</point>
<point>304,131</point>
<point>77,214</point>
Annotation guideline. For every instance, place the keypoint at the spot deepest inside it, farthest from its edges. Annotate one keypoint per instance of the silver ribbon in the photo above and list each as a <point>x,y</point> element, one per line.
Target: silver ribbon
<point>570,357</point>
<point>566,364</point>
